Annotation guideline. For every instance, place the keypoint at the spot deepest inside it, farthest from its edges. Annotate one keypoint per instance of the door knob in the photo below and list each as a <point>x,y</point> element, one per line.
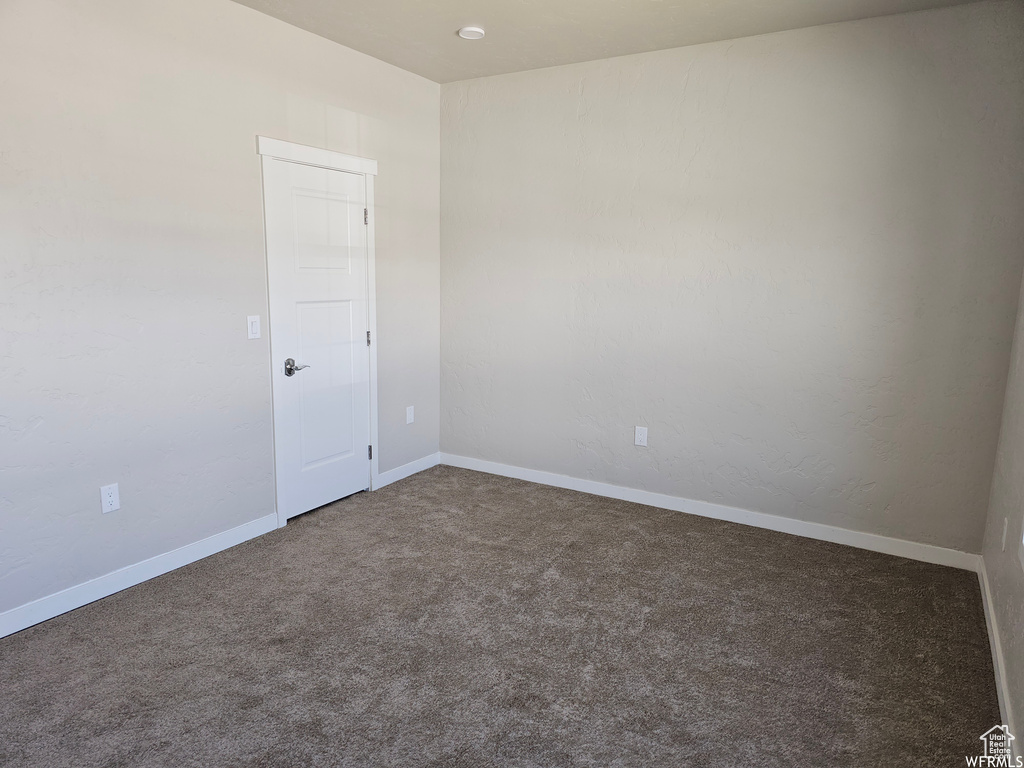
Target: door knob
<point>290,367</point>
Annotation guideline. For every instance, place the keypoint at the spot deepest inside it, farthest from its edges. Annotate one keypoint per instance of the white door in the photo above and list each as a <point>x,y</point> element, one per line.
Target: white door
<point>316,267</point>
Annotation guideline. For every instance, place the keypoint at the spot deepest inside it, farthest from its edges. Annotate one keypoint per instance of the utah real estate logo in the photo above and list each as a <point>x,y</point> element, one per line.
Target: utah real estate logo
<point>998,752</point>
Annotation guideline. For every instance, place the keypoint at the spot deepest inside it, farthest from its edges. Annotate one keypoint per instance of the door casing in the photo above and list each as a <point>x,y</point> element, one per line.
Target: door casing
<point>335,161</point>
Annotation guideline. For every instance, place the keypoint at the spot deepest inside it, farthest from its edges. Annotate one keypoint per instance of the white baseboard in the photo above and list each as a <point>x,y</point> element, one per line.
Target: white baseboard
<point>17,619</point>
<point>404,471</point>
<point>909,549</point>
<point>24,616</point>
<point>998,660</point>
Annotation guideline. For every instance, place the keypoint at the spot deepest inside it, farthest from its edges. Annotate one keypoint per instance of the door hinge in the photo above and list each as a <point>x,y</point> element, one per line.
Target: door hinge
<point>367,338</point>
<point>369,451</point>
<point>366,215</point>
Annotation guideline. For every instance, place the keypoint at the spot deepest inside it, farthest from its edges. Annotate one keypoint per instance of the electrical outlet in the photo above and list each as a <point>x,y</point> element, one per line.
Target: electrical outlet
<point>110,499</point>
<point>410,415</point>
<point>640,436</point>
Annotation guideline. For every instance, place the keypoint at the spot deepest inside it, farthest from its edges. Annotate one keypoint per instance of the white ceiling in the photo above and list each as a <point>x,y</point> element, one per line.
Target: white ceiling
<point>420,35</point>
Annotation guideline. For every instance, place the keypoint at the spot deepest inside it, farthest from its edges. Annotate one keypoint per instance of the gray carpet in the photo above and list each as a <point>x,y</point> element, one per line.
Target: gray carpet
<point>459,619</point>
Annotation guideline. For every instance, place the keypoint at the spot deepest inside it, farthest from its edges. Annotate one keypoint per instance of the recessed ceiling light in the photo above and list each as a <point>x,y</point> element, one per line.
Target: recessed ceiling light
<point>471,33</point>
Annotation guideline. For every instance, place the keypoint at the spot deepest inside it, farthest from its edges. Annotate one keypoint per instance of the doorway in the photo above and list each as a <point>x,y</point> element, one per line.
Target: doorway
<point>317,214</point>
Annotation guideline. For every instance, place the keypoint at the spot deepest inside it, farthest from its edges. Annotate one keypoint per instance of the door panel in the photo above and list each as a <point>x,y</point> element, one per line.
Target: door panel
<point>328,393</point>
<point>316,267</point>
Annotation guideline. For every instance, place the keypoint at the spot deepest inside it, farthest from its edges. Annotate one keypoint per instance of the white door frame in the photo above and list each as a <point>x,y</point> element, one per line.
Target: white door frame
<point>336,161</point>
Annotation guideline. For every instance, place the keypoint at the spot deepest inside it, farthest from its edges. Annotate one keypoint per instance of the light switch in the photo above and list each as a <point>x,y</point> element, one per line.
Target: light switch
<point>254,326</point>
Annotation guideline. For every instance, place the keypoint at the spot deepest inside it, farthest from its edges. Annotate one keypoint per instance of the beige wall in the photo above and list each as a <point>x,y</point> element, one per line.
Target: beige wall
<point>131,251</point>
<point>1005,567</point>
<point>795,258</point>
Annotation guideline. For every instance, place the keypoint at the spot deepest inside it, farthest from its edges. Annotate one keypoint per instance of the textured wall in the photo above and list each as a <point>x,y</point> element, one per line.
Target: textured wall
<point>131,251</point>
<point>1005,567</point>
<point>794,257</point>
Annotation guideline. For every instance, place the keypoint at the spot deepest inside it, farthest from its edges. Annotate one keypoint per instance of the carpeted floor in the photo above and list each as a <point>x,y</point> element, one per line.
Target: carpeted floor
<point>460,619</point>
